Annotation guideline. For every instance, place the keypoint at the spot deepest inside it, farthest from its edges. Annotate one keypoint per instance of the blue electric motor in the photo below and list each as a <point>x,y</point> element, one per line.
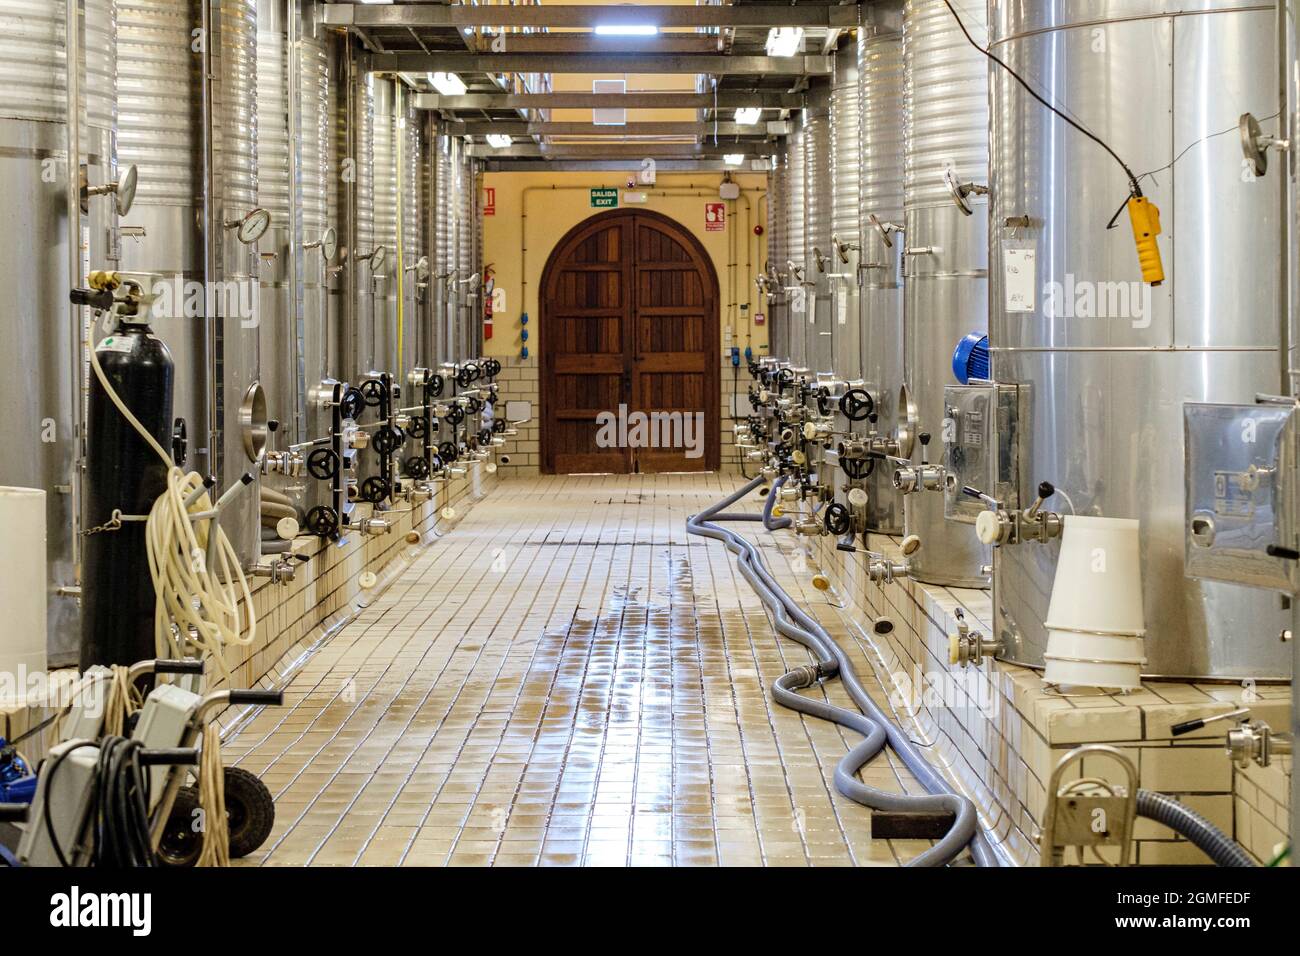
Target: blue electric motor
<point>971,358</point>
<point>17,782</point>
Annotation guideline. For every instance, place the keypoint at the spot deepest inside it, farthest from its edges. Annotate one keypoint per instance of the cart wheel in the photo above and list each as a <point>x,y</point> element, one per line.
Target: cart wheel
<point>181,843</point>
<point>250,809</point>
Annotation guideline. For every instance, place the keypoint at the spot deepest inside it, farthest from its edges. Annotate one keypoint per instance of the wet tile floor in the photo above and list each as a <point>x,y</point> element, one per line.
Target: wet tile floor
<point>566,678</point>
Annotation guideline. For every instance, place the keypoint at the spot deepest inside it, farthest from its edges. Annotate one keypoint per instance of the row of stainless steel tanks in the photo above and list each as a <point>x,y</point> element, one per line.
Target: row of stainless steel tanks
<point>925,196</point>
<point>306,225</point>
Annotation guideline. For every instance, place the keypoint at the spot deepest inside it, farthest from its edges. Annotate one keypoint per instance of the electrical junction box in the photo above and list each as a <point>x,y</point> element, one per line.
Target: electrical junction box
<point>70,789</point>
<point>981,442</point>
<point>1242,520</point>
<point>729,190</point>
<point>163,719</point>
<point>519,412</point>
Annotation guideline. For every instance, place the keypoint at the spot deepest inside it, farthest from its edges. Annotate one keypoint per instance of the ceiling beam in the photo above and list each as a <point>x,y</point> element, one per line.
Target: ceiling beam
<point>621,165</point>
<point>618,150</point>
<point>590,43</point>
<point>589,17</point>
<point>513,128</point>
<point>658,63</point>
<point>725,99</point>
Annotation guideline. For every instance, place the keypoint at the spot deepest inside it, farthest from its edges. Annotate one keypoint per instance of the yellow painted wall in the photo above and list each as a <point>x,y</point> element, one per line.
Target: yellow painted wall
<point>535,210</point>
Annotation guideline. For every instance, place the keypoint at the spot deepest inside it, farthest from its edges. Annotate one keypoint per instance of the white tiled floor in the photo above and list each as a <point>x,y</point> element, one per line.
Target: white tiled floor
<point>565,678</point>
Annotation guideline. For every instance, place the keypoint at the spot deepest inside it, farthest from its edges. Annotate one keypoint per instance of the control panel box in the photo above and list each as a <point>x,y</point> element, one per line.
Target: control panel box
<point>981,447</point>
<point>1240,504</point>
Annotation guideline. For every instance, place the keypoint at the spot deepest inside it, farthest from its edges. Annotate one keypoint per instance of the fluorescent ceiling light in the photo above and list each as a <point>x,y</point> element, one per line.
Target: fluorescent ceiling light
<point>499,140</point>
<point>448,84</point>
<point>784,41</point>
<point>627,30</point>
<point>749,115</point>
<point>734,159</point>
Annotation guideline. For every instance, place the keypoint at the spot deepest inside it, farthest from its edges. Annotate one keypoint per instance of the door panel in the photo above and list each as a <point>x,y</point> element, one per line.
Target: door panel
<point>674,367</point>
<point>629,318</point>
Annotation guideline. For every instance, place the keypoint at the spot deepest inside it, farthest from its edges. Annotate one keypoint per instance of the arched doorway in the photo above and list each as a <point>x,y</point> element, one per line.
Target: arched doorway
<point>629,340</point>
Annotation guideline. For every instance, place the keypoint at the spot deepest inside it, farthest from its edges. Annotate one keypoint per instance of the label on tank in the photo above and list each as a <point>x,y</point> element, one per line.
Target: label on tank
<point>1018,279</point>
<point>114,343</point>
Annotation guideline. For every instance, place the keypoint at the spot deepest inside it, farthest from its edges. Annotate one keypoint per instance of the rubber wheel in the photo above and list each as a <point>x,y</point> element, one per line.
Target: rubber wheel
<point>181,843</point>
<point>250,808</point>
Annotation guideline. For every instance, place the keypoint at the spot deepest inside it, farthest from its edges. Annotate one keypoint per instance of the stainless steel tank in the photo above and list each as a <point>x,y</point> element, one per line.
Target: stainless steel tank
<point>1106,362</point>
<point>36,378</point>
<point>796,269</point>
<point>277,330</point>
<point>361,334</point>
<point>412,235</point>
<point>775,306</point>
<point>444,249</point>
<point>242,409</point>
<point>317,216</point>
<point>818,255</point>
<point>880,75</point>
<point>468,258</point>
<point>160,129</point>
<point>386,198</point>
<point>945,289</point>
<point>845,184</point>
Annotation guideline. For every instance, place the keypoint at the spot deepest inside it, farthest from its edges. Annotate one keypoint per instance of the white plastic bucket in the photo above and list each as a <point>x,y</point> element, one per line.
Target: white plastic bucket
<point>1095,619</point>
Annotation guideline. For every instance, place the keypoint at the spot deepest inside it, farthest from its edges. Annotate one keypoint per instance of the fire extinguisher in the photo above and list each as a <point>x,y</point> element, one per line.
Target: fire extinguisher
<point>489,286</point>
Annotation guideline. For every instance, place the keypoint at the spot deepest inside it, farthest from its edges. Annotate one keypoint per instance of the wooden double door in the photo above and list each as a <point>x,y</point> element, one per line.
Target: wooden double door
<point>630,354</point>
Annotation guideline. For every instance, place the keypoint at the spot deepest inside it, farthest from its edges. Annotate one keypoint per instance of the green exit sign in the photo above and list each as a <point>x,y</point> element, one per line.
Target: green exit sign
<point>604,198</point>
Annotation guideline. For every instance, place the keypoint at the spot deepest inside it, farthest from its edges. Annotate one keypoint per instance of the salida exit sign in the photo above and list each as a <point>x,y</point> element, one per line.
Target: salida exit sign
<point>604,198</point>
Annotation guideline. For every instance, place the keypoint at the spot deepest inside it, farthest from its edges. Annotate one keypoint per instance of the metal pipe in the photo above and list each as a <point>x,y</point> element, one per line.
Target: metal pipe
<point>75,278</point>
<point>293,70</point>
<point>210,14</point>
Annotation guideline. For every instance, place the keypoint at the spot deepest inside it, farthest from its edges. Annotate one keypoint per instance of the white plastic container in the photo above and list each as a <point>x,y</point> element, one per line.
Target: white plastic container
<point>1095,621</point>
<point>22,589</point>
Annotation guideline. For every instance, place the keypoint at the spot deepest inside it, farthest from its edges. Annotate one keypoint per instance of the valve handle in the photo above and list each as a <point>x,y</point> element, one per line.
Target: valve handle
<point>837,519</point>
<point>857,404</point>
<point>1046,489</point>
<point>323,464</point>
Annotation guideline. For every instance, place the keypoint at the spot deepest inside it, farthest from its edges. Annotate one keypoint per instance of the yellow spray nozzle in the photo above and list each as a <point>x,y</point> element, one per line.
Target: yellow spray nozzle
<point>1144,215</point>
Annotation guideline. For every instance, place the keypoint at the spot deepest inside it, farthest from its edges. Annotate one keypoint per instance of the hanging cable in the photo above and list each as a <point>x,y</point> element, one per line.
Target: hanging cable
<point>1144,216</point>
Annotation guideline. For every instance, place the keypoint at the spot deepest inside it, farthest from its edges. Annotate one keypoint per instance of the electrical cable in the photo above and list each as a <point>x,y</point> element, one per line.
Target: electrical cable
<point>1133,180</point>
<point>121,806</point>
